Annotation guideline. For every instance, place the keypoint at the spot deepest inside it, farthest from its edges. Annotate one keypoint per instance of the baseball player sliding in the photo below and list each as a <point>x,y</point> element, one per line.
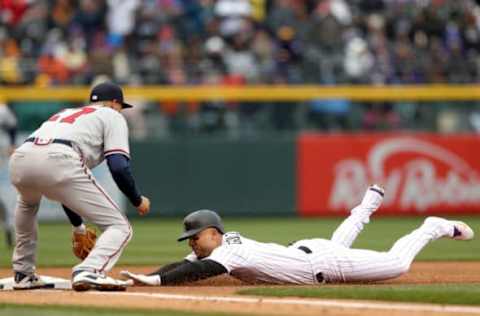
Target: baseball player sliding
<point>55,162</point>
<point>309,261</point>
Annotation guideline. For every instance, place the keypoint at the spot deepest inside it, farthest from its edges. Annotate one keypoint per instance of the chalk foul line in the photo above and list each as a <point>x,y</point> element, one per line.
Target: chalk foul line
<point>303,302</point>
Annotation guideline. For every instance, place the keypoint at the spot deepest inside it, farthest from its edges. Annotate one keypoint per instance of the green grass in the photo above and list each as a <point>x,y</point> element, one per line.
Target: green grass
<point>464,294</point>
<point>154,240</point>
<point>37,310</point>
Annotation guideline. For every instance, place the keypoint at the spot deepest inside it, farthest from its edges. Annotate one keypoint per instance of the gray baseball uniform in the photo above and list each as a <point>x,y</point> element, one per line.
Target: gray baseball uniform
<point>55,162</point>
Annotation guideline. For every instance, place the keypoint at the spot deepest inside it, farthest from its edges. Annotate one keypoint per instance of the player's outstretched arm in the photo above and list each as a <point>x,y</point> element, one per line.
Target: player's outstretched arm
<point>141,279</point>
<point>152,278</point>
<point>187,272</point>
<point>169,267</point>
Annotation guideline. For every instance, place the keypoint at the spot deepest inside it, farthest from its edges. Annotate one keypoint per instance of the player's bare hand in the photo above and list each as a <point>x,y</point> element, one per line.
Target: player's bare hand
<point>144,207</point>
<point>141,279</point>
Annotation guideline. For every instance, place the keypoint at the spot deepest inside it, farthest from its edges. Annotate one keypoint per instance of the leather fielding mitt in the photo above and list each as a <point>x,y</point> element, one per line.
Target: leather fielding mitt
<point>82,243</point>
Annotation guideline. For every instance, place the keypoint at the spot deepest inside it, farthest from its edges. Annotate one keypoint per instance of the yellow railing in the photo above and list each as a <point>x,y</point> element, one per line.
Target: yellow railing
<point>259,93</point>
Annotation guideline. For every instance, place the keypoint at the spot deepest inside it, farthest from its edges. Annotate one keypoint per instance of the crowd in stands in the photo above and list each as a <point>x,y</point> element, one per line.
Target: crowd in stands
<point>236,42</point>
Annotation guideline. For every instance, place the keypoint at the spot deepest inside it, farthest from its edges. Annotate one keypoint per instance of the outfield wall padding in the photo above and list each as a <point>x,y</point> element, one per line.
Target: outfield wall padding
<point>235,177</point>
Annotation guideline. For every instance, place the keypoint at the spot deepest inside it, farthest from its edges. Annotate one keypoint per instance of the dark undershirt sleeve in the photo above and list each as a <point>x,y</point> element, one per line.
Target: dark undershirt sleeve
<point>74,218</point>
<point>169,267</point>
<point>119,166</point>
<point>192,271</point>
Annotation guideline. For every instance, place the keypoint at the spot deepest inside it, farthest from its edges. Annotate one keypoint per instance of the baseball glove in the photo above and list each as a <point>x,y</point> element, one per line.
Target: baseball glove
<point>82,243</point>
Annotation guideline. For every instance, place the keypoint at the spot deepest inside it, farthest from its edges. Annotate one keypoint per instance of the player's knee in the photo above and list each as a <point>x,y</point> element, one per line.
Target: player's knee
<point>125,229</point>
<point>403,266</point>
<point>128,230</point>
<point>130,233</point>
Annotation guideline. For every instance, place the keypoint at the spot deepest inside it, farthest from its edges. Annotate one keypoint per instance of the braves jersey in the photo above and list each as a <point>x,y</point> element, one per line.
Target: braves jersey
<point>96,131</point>
<point>253,261</point>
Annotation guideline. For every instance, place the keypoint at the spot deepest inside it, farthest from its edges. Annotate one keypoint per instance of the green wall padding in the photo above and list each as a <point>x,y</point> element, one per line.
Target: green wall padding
<point>254,177</point>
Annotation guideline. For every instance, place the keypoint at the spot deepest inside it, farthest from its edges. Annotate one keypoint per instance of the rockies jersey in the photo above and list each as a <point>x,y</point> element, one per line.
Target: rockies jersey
<point>253,261</point>
<point>96,131</point>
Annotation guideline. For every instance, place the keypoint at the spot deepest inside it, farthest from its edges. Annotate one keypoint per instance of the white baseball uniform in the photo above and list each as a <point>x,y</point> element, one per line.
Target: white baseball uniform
<point>323,260</point>
<point>55,162</point>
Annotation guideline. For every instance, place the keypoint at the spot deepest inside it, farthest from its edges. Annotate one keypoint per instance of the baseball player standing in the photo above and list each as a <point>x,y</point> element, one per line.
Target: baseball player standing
<point>55,162</point>
<point>309,261</point>
<point>8,124</point>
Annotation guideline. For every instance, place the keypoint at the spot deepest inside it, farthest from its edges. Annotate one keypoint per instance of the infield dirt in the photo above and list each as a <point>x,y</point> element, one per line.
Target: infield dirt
<point>224,286</point>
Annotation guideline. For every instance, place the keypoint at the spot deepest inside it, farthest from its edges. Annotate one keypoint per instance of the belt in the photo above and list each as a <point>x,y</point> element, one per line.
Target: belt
<point>55,141</point>
<point>318,276</point>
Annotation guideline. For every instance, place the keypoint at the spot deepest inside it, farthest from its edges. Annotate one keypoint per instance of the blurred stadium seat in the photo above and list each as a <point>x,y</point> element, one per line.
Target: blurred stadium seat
<point>51,43</point>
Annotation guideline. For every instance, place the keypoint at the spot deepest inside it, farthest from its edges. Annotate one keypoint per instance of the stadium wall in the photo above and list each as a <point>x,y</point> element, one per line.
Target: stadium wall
<point>236,177</point>
<point>285,176</point>
<point>311,175</point>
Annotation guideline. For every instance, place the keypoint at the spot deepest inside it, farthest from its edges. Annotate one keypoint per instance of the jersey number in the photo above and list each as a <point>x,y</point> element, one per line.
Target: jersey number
<point>70,119</point>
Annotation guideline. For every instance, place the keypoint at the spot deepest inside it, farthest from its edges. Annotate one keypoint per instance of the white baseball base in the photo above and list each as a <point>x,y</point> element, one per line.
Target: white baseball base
<point>53,283</point>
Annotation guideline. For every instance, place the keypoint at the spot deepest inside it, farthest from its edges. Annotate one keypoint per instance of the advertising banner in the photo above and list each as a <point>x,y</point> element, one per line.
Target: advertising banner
<point>421,173</point>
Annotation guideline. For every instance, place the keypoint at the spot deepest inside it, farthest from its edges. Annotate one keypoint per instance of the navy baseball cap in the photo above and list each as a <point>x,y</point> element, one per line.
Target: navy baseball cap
<point>108,91</point>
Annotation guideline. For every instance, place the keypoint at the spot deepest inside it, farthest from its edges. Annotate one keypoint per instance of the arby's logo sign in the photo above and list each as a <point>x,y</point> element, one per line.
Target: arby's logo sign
<point>421,174</point>
<point>430,175</point>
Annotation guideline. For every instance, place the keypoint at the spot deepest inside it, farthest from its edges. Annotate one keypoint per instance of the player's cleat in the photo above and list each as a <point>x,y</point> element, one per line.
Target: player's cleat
<point>371,201</point>
<point>373,198</point>
<point>450,229</point>
<point>462,231</point>
<point>23,281</point>
<point>86,280</point>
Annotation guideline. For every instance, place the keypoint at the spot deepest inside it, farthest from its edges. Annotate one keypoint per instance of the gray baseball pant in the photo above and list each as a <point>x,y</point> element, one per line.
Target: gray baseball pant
<point>57,172</point>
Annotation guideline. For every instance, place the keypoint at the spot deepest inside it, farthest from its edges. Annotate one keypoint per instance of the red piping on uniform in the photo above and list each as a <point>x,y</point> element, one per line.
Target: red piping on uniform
<point>103,192</point>
<point>121,247</point>
<point>118,209</point>
<point>86,170</point>
<point>111,151</point>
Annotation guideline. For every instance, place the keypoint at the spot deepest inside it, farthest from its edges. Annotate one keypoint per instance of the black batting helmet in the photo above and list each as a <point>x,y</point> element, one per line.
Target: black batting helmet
<point>199,220</point>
